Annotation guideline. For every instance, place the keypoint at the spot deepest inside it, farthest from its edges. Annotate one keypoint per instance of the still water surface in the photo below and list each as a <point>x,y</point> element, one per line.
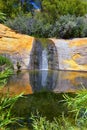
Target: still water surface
<point>29,82</point>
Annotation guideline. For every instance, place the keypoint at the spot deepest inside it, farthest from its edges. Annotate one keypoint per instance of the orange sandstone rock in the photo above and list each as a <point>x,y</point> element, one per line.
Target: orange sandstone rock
<point>27,52</point>
<point>15,46</point>
<point>72,54</point>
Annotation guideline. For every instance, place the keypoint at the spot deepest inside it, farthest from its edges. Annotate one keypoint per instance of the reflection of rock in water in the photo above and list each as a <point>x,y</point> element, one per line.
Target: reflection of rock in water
<point>70,81</point>
<point>43,80</point>
<point>35,81</point>
<point>18,83</point>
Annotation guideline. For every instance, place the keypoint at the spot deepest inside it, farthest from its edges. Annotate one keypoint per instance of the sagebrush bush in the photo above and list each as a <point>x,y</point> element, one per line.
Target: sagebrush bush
<point>67,26</point>
<point>70,27</point>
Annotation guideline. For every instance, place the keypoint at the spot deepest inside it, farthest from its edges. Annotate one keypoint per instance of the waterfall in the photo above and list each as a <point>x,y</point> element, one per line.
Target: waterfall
<point>44,65</point>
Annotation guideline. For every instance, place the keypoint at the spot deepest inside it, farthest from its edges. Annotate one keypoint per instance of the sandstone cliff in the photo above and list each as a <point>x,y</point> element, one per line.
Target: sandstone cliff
<point>15,46</point>
<point>31,53</point>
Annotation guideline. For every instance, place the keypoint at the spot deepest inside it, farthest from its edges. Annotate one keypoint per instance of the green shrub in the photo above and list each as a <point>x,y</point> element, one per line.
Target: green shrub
<point>10,7</point>
<point>70,27</point>
<point>51,9</point>
<point>56,8</point>
<point>67,26</point>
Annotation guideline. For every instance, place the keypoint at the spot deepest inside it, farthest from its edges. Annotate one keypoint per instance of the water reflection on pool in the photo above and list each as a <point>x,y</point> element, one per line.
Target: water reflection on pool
<point>34,81</point>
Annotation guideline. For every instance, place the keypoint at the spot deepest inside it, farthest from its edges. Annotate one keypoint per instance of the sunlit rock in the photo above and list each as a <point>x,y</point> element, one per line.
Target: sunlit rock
<point>72,54</point>
<point>30,53</point>
<point>15,46</point>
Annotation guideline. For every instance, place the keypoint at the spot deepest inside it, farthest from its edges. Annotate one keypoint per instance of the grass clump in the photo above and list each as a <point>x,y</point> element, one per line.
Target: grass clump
<point>2,17</point>
<point>4,75</point>
<point>62,123</point>
<point>41,123</point>
<point>4,61</point>
<point>6,116</point>
<point>77,106</point>
<point>6,69</point>
<point>74,119</point>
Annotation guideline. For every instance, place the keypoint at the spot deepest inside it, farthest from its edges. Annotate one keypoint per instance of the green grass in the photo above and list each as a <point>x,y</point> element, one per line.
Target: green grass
<point>4,75</point>
<point>6,116</point>
<point>75,119</point>
<point>5,61</point>
<point>2,17</point>
<point>6,69</point>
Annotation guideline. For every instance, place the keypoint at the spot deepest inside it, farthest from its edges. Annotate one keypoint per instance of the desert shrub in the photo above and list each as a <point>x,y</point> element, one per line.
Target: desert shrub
<point>67,26</point>
<point>34,26</point>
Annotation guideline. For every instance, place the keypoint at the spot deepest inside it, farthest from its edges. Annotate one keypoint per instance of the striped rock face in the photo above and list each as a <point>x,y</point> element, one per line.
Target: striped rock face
<point>72,54</point>
<point>31,53</point>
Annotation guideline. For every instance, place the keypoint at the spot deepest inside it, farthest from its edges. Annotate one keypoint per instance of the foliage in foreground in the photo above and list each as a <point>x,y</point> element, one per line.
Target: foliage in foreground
<point>6,116</point>
<point>75,120</point>
<point>78,106</point>
<point>6,102</point>
<point>4,61</point>
<point>4,75</point>
<point>6,69</point>
<point>62,123</point>
<point>2,17</point>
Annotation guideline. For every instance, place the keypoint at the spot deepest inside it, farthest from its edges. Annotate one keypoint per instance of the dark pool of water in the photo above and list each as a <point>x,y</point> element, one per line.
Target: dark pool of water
<point>34,81</point>
<point>38,86</point>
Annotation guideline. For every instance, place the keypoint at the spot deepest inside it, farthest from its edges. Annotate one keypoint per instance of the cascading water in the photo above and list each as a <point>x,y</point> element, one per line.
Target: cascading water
<point>44,65</point>
<point>43,55</point>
